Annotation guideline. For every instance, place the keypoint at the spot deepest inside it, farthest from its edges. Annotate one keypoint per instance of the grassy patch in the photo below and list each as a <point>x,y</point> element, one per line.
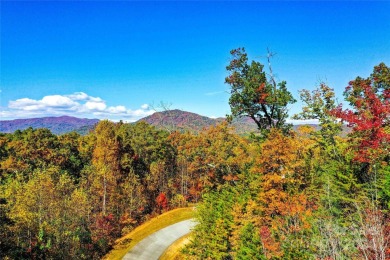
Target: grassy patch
<point>173,251</point>
<point>125,243</point>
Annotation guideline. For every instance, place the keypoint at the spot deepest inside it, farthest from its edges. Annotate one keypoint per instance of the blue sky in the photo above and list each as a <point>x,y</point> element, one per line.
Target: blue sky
<point>112,59</point>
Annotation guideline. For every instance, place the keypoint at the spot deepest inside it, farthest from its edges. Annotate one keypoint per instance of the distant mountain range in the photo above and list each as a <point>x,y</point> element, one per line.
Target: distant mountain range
<point>57,125</point>
<point>169,120</point>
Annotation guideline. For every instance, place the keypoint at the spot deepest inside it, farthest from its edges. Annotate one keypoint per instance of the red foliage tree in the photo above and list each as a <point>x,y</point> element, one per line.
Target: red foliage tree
<point>370,116</point>
<point>162,201</point>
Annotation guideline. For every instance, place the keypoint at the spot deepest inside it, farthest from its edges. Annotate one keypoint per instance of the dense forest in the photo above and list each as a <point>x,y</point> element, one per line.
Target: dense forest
<point>275,194</point>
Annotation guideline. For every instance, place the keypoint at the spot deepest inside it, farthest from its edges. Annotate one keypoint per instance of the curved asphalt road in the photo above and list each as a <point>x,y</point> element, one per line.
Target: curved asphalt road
<point>152,247</point>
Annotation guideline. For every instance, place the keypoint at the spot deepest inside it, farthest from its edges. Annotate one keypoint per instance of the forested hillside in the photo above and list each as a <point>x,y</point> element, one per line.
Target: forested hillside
<point>279,194</point>
<point>57,125</point>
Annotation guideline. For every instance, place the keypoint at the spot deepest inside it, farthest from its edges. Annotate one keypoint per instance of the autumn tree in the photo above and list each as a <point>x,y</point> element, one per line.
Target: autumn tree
<point>330,162</point>
<point>106,165</point>
<point>162,201</point>
<point>282,200</point>
<point>369,118</point>
<point>370,114</point>
<point>318,104</point>
<point>255,95</point>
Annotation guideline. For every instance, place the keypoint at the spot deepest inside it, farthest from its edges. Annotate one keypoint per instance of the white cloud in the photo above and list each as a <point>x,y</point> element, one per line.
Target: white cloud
<point>95,99</point>
<point>117,109</point>
<point>78,96</point>
<point>76,104</point>
<point>140,112</point>
<point>92,105</point>
<point>58,101</point>
<point>81,96</point>
<point>54,101</point>
<point>23,103</point>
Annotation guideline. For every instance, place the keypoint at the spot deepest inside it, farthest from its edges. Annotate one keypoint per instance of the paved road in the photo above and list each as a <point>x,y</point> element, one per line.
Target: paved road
<point>152,247</point>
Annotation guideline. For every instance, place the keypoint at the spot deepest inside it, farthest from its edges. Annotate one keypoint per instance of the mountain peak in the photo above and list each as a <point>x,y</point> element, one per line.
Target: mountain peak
<point>179,120</point>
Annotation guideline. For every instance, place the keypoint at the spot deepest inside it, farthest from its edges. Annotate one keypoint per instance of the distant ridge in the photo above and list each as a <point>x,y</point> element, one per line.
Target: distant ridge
<point>57,125</point>
<point>187,121</point>
<point>171,120</point>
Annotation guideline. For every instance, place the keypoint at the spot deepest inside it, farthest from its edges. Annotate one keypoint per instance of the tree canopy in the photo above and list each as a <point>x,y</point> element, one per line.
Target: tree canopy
<point>255,94</point>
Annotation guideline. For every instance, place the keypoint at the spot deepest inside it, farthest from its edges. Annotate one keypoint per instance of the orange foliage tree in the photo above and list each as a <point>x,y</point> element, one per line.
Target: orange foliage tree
<point>282,203</point>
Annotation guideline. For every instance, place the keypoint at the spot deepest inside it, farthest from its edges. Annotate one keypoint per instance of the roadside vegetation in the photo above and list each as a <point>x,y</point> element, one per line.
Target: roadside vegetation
<point>127,242</point>
<point>174,251</point>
